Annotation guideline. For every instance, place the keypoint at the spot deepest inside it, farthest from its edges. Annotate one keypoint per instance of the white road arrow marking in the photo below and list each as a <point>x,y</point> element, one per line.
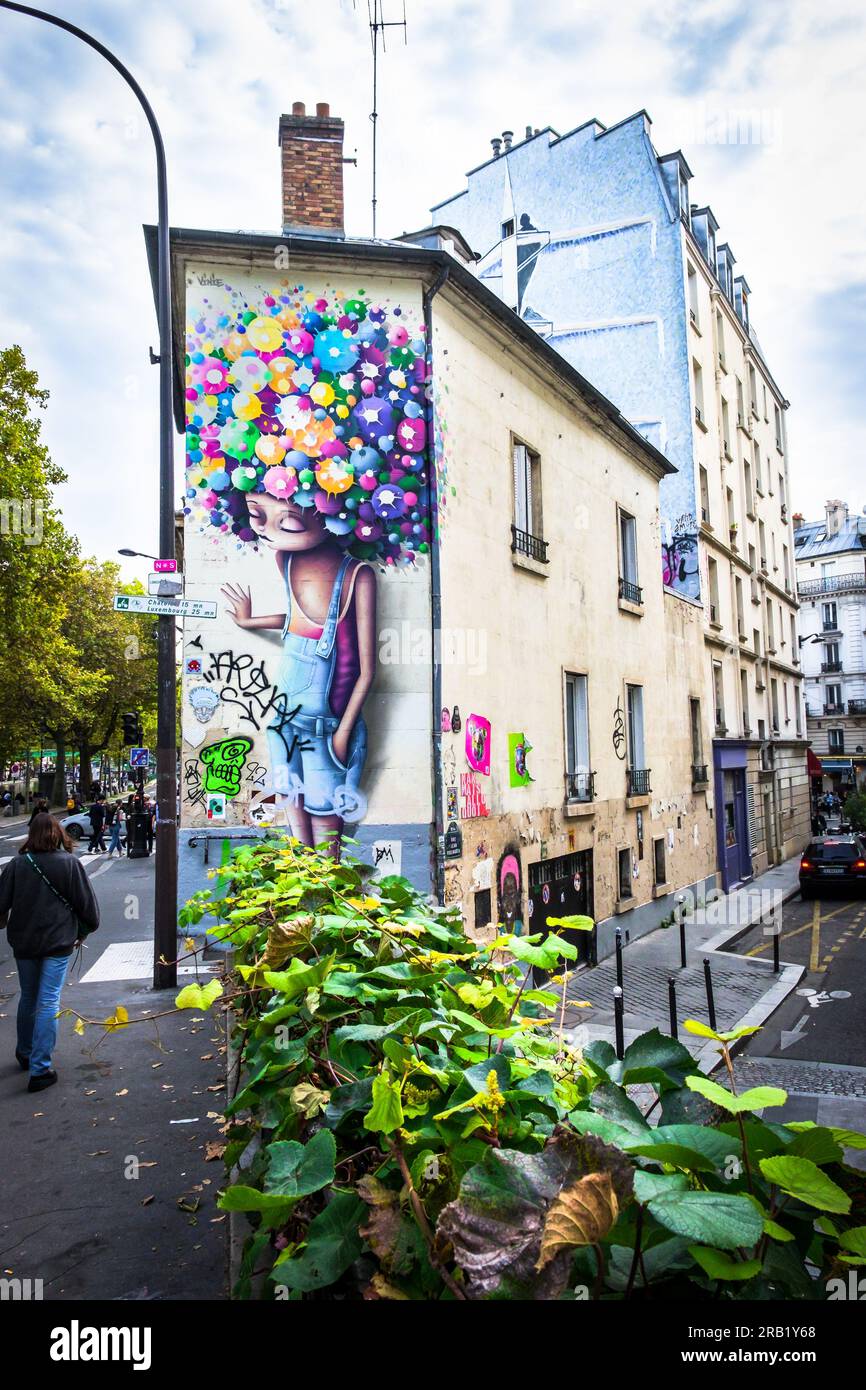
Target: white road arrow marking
<point>796,1033</point>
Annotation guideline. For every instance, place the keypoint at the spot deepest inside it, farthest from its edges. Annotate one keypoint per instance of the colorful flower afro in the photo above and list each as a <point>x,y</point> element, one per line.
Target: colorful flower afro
<point>321,400</point>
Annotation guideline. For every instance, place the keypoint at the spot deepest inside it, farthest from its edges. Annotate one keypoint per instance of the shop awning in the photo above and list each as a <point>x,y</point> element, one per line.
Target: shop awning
<point>836,764</point>
<point>813,763</point>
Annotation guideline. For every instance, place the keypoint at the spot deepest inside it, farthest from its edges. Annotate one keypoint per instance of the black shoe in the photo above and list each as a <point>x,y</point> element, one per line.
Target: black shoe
<point>42,1081</point>
<point>23,1062</point>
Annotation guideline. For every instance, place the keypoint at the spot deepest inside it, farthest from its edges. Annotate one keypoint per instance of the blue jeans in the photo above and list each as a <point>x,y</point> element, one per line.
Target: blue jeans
<point>41,982</point>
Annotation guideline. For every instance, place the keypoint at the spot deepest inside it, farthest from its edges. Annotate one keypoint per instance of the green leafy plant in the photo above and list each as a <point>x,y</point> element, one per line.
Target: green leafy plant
<point>854,810</point>
<point>413,1123</point>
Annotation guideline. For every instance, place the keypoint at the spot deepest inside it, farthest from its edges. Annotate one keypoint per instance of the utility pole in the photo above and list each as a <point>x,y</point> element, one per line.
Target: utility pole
<point>165,918</point>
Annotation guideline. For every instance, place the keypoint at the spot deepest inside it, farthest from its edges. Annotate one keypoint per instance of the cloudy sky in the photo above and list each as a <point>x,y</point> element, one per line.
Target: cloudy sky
<point>77,180</point>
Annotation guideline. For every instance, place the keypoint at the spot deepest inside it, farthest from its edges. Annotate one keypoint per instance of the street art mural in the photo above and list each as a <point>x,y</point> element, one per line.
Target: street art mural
<point>509,883</point>
<point>307,516</point>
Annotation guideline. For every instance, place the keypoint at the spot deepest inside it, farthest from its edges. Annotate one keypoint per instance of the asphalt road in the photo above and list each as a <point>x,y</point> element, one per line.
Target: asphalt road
<point>106,1187</point>
<point>824,1019</point>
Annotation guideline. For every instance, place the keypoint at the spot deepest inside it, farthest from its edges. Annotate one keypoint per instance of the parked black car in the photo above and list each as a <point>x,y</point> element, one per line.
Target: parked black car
<point>833,861</point>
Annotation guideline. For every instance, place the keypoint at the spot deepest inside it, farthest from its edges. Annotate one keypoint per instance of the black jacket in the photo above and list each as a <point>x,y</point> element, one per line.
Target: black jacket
<point>39,924</point>
<point>97,815</point>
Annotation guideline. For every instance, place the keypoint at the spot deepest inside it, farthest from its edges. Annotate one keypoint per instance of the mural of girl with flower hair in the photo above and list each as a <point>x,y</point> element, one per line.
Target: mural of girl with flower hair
<point>306,438</point>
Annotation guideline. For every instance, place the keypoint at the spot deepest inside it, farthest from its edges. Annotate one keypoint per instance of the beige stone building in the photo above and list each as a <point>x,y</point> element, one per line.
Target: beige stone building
<point>753,663</point>
<point>590,665</point>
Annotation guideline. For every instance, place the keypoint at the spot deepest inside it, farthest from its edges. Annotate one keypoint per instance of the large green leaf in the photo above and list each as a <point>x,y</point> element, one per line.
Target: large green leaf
<point>616,1104</point>
<point>546,956</point>
<point>758,1098</point>
<point>721,1218</point>
<point>717,1147</point>
<point>386,1113</point>
<point>803,1179</point>
<point>817,1144</point>
<point>298,978</point>
<point>332,1244</point>
<point>721,1266</point>
<point>295,1170</point>
<point>674,1154</point>
<point>347,1100</point>
<point>243,1198</point>
<point>198,996</point>
<point>650,1185</point>
<point>656,1060</point>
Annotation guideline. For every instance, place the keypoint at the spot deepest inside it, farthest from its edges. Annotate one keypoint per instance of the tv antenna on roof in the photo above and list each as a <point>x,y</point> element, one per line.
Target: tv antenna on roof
<point>378,26</point>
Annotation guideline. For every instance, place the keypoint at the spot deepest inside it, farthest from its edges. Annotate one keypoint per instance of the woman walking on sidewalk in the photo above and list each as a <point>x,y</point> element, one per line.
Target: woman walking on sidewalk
<point>48,907</point>
<point>117,824</point>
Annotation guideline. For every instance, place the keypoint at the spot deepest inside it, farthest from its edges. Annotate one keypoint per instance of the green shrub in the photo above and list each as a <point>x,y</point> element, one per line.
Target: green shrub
<point>854,810</point>
<point>423,1128</point>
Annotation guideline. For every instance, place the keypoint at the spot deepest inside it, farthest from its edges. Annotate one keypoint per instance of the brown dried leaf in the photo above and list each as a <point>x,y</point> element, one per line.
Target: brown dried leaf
<point>213,1149</point>
<point>286,939</point>
<point>582,1214</point>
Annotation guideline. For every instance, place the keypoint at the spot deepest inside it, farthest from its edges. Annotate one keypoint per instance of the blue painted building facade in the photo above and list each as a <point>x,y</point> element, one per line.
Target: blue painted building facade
<point>580,233</point>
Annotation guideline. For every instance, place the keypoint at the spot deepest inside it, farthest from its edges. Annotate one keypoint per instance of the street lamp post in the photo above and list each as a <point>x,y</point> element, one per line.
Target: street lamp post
<point>165,918</point>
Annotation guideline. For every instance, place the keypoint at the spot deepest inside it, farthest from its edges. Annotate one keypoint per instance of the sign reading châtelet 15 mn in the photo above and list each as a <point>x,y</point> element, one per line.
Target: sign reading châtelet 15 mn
<point>165,607</point>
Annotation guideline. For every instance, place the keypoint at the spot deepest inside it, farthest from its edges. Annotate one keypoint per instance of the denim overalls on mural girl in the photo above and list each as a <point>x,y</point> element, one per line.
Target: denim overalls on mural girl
<point>300,739</point>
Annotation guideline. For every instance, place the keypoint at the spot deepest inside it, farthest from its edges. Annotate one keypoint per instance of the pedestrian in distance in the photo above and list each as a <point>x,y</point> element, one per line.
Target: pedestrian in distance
<point>48,907</point>
<point>117,823</point>
<point>97,827</point>
<point>40,809</point>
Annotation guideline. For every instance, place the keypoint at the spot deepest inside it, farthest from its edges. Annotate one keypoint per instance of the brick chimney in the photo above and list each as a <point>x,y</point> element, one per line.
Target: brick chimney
<point>311,165</point>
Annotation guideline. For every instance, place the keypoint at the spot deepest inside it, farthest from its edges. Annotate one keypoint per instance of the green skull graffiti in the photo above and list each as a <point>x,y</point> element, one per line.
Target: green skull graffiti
<point>223,763</point>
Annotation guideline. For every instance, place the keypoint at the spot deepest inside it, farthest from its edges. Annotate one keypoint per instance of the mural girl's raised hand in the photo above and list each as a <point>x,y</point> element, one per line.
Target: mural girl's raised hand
<point>240,606</point>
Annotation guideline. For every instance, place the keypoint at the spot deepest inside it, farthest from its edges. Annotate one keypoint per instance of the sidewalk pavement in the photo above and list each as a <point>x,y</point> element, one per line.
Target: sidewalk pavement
<point>109,1179</point>
<point>746,990</point>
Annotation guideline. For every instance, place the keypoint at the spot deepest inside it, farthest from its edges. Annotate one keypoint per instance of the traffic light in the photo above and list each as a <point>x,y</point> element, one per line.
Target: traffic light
<point>132,729</point>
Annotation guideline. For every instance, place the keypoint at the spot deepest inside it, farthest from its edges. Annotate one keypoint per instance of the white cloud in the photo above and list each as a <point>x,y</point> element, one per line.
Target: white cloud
<point>78,177</point>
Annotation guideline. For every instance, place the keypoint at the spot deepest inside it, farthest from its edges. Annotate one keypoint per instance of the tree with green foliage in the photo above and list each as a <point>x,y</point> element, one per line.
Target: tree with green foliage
<point>38,560</point>
<point>116,655</point>
<point>854,810</point>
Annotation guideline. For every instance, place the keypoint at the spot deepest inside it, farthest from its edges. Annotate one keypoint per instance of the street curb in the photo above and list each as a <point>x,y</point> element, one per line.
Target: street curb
<point>715,943</point>
<point>755,1016</point>
<point>789,977</point>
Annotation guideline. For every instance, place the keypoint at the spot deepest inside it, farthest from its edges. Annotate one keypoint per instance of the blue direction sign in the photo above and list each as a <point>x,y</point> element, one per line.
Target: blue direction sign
<point>138,757</point>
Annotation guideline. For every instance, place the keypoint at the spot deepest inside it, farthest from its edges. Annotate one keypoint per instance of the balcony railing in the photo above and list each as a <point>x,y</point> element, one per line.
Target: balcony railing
<point>834,709</point>
<point>857,706</point>
<point>632,593</point>
<point>699,774</point>
<point>827,666</point>
<point>580,786</point>
<point>522,543</point>
<point>842,583</point>
<point>638,781</point>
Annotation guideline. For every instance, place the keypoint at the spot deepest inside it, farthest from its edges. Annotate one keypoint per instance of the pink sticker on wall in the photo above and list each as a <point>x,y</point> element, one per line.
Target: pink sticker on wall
<point>478,744</point>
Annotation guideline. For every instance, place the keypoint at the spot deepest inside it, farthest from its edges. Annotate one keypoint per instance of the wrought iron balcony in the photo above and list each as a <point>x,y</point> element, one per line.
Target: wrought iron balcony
<point>840,584</point>
<point>857,706</point>
<point>638,781</point>
<point>699,774</point>
<point>827,666</point>
<point>834,709</point>
<point>580,786</point>
<point>632,593</point>
<point>522,543</point>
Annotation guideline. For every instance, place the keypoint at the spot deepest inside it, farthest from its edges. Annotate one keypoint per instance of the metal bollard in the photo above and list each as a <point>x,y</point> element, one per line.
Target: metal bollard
<point>618,1008</point>
<point>776,935</point>
<point>619,956</point>
<point>711,1004</point>
<point>681,917</point>
<point>672,1005</point>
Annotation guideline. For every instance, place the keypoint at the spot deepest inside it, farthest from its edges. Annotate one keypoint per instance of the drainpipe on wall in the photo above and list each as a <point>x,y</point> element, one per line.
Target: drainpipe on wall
<point>435,598</point>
